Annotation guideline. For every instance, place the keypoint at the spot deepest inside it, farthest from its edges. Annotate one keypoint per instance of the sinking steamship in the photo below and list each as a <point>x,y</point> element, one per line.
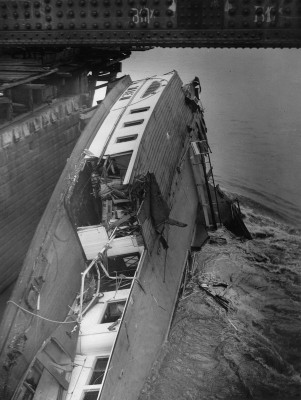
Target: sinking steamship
<point>96,294</point>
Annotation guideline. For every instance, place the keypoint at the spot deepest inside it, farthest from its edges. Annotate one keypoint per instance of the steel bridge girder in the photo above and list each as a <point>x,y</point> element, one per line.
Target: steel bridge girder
<point>169,23</point>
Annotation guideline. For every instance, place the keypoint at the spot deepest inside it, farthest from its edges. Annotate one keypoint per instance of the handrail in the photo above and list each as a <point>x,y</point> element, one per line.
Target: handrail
<point>84,273</point>
<point>96,261</point>
<point>94,297</point>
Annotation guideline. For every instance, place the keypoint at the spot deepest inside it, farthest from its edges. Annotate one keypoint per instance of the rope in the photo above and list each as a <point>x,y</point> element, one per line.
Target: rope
<point>39,316</point>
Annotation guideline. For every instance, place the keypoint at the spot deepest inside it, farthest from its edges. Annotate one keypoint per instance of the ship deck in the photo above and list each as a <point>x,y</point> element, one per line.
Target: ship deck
<point>126,212</point>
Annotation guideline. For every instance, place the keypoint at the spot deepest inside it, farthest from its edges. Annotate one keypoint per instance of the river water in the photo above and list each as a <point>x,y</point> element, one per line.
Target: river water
<point>252,351</point>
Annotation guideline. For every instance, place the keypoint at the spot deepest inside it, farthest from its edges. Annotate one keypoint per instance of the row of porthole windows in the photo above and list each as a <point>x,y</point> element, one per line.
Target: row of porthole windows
<point>129,138</point>
<point>127,124</point>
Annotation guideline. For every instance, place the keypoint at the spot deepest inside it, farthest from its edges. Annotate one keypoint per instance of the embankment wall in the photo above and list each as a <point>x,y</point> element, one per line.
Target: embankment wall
<point>33,153</point>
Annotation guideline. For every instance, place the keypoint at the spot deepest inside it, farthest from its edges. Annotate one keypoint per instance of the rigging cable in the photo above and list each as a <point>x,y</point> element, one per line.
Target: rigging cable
<point>39,316</point>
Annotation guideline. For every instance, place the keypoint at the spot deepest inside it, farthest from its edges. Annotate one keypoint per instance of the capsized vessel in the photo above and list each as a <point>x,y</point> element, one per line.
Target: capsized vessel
<point>99,285</point>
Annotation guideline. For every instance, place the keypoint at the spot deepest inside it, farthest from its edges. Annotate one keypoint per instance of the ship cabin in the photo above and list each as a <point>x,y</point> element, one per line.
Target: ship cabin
<point>133,174</point>
<point>109,231</point>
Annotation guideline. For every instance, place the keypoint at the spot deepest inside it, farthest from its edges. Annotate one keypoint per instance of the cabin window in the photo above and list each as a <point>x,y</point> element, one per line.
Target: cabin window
<point>133,123</point>
<point>113,312</point>
<point>129,138</point>
<point>91,395</point>
<point>91,390</point>
<point>151,89</point>
<point>118,165</point>
<point>99,371</point>
<point>131,261</point>
<point>125,264</point>
<point>139,110</point>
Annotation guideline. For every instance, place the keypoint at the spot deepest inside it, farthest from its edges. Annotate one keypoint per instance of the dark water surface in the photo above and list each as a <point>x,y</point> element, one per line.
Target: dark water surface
<point>251,351</point>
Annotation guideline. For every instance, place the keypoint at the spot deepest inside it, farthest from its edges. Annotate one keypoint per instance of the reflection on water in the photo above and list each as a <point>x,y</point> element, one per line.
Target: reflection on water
<point>261,166</point>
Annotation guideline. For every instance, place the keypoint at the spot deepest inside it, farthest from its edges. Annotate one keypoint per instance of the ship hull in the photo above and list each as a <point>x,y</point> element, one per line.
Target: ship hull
<point>146,322</point>
<point>51,275</point>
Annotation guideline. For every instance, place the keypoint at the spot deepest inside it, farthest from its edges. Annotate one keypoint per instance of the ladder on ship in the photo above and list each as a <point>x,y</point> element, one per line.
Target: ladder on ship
<point>206,188</point>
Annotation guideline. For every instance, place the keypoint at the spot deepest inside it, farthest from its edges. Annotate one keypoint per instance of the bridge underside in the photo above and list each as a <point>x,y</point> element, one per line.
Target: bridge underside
<point>141,24</point>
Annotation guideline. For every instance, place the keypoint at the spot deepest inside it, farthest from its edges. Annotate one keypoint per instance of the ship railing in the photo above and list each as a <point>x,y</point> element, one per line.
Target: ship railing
<point>97,262</point>
<point>84,274</point>
<point>82,290</point>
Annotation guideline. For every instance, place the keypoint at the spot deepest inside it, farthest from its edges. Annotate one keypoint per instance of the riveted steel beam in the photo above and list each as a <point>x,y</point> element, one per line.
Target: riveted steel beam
<point>146,23</point>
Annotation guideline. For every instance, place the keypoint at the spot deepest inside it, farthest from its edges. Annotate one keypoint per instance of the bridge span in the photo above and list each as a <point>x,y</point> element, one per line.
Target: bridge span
<point>141,24</point>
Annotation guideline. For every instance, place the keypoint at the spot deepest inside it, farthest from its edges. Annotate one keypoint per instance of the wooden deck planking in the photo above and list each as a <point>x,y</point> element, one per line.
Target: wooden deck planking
<point>176,129</point>
<point>159,152</point>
